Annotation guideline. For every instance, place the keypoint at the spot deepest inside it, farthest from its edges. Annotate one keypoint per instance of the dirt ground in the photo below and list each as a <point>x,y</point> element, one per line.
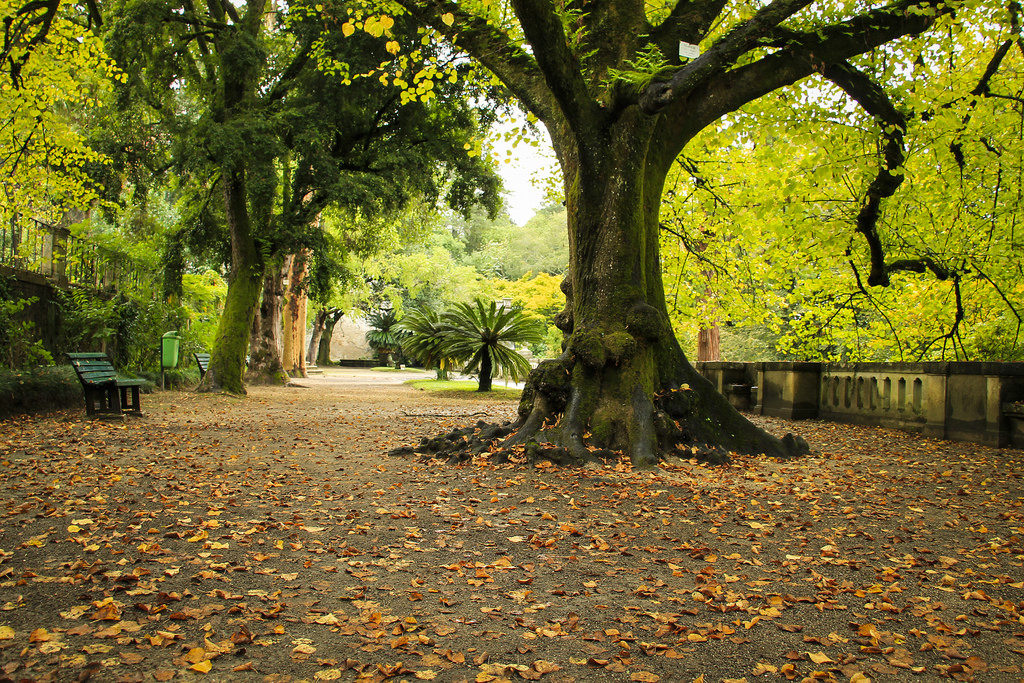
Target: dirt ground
<point>271,538</point>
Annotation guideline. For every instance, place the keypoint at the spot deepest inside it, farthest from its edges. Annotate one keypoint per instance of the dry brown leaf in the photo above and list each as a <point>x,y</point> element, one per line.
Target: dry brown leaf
<point>202,667</point>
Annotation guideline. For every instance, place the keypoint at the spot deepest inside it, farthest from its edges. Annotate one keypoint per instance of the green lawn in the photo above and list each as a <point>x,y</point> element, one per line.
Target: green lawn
<point>465,389</point>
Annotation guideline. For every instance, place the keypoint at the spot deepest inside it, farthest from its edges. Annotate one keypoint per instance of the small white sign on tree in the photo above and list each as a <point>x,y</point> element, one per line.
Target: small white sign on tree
<point>688,50</point>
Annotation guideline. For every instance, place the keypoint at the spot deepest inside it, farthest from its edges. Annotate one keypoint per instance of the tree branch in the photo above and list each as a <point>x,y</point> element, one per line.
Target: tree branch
<point>870,96</point>
<point>508,61</point>
<point>291,73</point>
<point>804,54</point>
<point>687,21</point>
<point>559,64</point>
<point>16,34</point>
<point>722,54</point>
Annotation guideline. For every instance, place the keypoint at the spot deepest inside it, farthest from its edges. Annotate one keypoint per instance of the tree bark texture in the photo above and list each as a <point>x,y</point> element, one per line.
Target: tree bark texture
<point>316,331</point>
<point>323,353</point>
<point>265,366</point>
<point>227,359</point>
<point>623,380</point>
<point>486,370</point>
<point>295,316</point>
<point>709,344</point>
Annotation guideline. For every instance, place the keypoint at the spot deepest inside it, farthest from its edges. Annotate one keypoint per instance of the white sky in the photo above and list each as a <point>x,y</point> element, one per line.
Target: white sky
<point>523,169</point>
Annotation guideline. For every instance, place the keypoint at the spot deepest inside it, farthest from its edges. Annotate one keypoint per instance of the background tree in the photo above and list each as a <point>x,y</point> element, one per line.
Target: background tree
<point>385,335</point>
<point>284,139</point>
<point>484,335</point>
<point>425,340</point>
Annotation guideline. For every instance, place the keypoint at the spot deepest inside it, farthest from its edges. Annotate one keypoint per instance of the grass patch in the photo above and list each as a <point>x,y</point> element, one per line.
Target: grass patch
<point>384,368</point>
<point>465,389</point>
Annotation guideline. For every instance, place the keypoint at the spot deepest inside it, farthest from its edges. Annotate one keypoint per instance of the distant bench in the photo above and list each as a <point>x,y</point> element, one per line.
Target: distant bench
<point>202,362</point>
<point>105,392</point>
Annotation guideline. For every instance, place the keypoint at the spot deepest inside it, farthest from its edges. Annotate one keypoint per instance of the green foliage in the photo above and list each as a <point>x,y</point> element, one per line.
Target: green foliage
<point>497,248</point>
<point>19,348</point>
<point>385,335</point>
<point>764,214</point>
<point>483,336</point>
<point>44,155</point>
<point>129,327</point>
<point>648,66</point>
<point>87,320</point>
<point>425,340</point>
<point>540,297</point>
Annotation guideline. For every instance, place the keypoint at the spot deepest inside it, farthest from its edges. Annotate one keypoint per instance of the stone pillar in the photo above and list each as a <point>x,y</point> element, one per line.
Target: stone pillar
<point>935,386</point>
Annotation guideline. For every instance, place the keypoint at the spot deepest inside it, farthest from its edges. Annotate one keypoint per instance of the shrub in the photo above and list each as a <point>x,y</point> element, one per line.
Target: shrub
<point>38,390</point>
<point>19,347</point>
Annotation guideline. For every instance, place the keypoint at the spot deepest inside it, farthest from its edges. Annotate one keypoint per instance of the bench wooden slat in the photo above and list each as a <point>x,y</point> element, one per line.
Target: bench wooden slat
<point>104,391</point>
<point>202,362</point>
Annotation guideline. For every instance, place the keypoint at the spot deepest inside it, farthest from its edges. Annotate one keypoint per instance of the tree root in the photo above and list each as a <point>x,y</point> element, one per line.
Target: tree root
<point>554,419</point>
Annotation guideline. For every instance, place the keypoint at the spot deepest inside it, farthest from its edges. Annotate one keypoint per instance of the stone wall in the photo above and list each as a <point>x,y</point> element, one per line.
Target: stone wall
<point>349,339</point>
<point>958,401</point>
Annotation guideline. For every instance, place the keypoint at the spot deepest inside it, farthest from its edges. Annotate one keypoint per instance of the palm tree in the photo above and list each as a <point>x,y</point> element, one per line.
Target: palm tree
<point>425,340</point>
<point>483,334</point>
<point>384,336</point>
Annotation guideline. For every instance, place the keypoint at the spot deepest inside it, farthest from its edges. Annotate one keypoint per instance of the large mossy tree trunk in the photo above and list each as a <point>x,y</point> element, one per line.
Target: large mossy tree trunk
<point>227,359</point>
<point>248,178</point>
<point>620,106</point>
<point>623,379</point>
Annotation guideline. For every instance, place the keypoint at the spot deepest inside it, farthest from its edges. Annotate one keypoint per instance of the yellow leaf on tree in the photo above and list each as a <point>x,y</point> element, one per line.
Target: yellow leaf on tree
<point>448,18</point>
<point>347,29</point>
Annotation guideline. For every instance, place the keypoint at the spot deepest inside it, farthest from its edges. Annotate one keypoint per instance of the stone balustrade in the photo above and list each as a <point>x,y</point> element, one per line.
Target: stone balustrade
<point>958,401</point>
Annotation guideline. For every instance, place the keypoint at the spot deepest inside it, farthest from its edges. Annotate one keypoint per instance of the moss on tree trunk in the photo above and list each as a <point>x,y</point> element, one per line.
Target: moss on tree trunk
<point>227,358</point>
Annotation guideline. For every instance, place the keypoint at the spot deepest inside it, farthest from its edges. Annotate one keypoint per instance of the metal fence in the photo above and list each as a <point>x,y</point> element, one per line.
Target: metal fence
<point>32,246</point>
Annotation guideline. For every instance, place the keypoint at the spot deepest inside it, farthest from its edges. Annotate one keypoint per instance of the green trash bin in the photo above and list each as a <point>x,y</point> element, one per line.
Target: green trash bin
<point>170,342</point>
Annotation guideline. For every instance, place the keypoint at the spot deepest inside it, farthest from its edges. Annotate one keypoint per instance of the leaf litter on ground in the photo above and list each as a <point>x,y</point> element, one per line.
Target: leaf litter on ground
<point>271,539</point>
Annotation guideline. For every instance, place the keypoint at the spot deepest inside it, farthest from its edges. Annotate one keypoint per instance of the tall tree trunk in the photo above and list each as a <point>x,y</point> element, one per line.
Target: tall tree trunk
<point>623,379</point>
<point>709,346</point>
<point>227,359</point>
<point>486,369</point>
<point>265,365</point>
<point>316,331</point>
<point>295,316</point>
<point>323,353</point>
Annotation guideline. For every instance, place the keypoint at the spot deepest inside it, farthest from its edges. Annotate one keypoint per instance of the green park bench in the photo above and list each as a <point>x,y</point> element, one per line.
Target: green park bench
<point>105,392</point>
<point>202,362</point>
